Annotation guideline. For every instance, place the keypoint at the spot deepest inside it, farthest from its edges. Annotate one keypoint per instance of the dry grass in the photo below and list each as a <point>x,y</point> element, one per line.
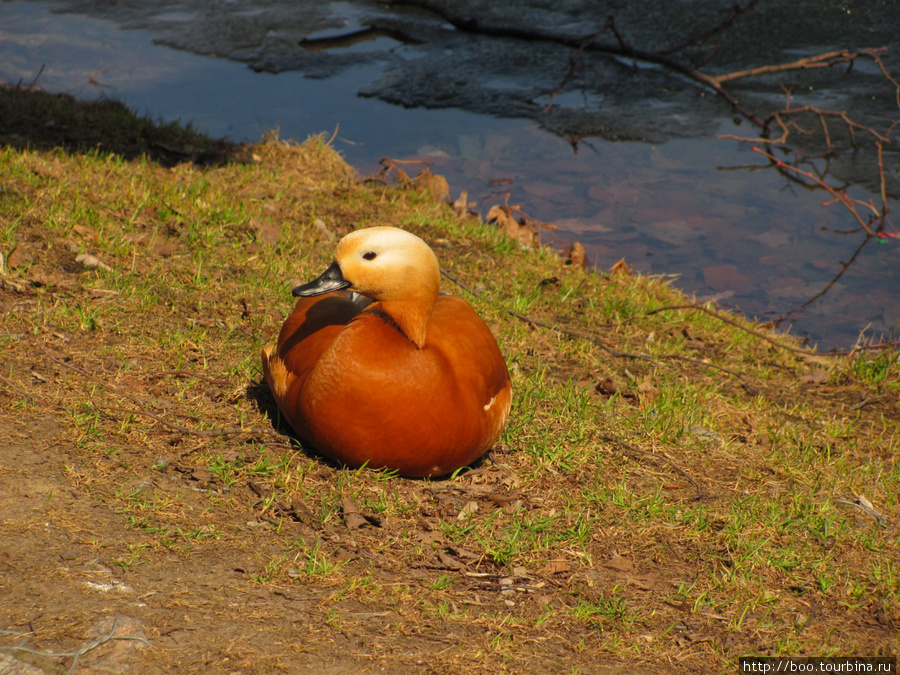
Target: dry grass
<point>645,509</point>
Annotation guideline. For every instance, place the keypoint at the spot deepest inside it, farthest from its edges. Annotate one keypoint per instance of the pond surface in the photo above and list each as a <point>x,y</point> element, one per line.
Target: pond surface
<point>631,165</point>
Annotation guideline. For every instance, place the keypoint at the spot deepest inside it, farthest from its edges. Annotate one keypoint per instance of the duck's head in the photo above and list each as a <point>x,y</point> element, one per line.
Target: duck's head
<point>383,263</point>
<point>389,265</point>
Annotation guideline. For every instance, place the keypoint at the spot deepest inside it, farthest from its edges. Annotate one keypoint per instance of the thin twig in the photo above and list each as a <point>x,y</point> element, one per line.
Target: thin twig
<point>204,433</point>
<point>785,128</point>
<point>761,336</point>
<point>474,25</point>
<point>22,392</point>
<point>736,12</point>
<point>864,505</point>
<point>141,410</point>
<point>655,455</point>
<point>84,650</point>
<point>188,373</point>
<point>810,62</point>
<point>579,334</point>
<point>628,355</point>
<point>574,61</point>
<point>844,267</point>
<point>839,195</point>
<point>459,283</point>
<point>798,350</point>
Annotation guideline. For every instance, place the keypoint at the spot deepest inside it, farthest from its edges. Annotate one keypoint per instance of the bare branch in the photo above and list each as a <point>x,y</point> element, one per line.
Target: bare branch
<point>639,452</point>
<point>761,336</point>
<point>839,195</point>
<point>473,25</point>
<point>719,31</point>
<point>807,63</point>
<point>627,355</point>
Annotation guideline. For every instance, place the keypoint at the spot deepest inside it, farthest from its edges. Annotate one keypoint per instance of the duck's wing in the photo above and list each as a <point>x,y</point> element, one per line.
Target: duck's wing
<point>307,332</point>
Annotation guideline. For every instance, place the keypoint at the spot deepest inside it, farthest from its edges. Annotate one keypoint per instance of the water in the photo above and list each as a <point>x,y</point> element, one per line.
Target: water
<point>700,208</point>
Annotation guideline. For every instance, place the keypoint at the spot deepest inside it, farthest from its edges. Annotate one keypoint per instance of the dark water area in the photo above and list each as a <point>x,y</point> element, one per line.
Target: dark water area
<point>634,164</point>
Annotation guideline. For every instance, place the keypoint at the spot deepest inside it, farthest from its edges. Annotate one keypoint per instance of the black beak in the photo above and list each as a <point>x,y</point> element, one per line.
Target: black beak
<point>330,280</point>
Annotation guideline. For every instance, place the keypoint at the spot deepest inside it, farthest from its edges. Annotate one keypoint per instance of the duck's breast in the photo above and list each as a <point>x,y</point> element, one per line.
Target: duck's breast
<point>373,397</point>
<point>308,331</point>
<point>470,348</point>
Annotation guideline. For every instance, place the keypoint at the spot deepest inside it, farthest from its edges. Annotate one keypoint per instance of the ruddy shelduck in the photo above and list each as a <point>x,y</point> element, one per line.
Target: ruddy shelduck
<point>404,378</point>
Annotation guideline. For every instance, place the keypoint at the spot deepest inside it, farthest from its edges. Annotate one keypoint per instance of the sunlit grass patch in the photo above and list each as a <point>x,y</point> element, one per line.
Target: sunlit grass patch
<point>670,489</point>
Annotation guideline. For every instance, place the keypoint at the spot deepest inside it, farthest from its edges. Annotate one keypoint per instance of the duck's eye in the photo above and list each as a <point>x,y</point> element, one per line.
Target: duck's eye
<point>369,255</point>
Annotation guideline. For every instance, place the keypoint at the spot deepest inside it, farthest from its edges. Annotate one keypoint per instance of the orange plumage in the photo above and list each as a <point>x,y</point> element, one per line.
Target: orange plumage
<point>413,381</point>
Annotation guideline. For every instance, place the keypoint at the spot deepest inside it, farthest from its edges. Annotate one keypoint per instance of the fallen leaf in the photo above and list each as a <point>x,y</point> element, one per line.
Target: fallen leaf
<point>547,190</point>
<point>354,521</point>
<point>46,279</point>
<point>647,390</point>
<point>514,507</point>
<point>429,538</point>
<point>464,553</point>
<point>461,205</point>
<point>557,567</point>
<point>675,232</point>
<point>435,184</point>
<point>265,231</point>
<point>135,237</point>
<point>352,517</point>
<point>449,561</point>
<point>607,387</point>
<point>818,376</point>
<point>580,225</point>
<point>20,256</point>
<point>776,239</point>
<point>575,256</point>
<point>469,509</point>
<point>619,564</point>
<point>165,249</point>
<point>519,230</point>
<point>85,231</point>
<point>345,555</point>
<point>100,293</point>
<point>301,513</point>
<point>622,267</point>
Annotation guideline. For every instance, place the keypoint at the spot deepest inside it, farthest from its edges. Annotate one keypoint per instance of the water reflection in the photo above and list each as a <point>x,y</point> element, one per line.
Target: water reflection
<point>726,221</point>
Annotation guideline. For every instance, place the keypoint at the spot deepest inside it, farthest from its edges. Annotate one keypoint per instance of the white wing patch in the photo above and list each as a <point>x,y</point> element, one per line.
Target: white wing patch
<point>277,375</point>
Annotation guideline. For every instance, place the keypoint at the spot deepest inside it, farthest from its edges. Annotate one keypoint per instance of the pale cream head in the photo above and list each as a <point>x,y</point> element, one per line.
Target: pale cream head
<point>388,264</point>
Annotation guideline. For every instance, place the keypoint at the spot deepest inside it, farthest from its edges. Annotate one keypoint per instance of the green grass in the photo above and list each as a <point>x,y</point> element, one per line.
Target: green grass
<point>719,526</point>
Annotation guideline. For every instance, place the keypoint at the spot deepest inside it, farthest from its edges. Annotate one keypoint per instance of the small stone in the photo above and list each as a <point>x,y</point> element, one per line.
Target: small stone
<point>71,553</point>
<point>91,262</point>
